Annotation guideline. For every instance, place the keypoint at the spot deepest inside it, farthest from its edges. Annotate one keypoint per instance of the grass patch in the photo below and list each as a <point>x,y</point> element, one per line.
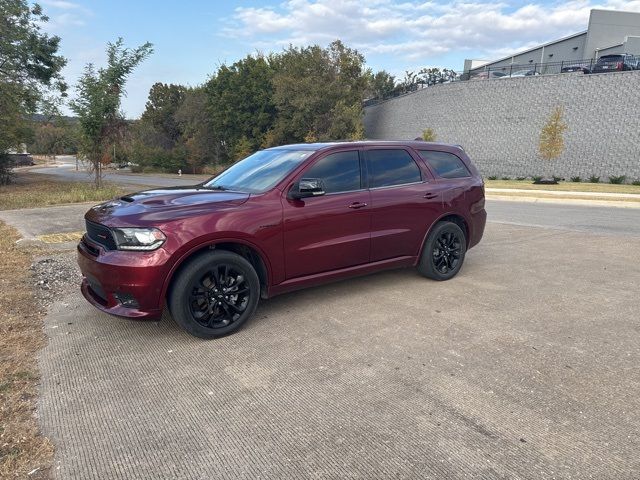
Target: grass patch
<point>564,186</point>
<point>22,447</point>
<point>33,190</point>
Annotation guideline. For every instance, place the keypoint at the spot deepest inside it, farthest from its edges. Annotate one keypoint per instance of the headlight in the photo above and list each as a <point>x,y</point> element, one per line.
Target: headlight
<point>138,238</point>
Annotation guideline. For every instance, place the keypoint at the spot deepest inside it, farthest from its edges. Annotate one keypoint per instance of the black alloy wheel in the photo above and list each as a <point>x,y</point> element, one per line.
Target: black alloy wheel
<point>214,293</point>
<point>446,252</point>
<point>443,252</point>
<point>219,297</point>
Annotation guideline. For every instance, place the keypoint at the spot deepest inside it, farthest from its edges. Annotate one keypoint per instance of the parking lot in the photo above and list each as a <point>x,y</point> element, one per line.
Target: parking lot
<point>523,366</point>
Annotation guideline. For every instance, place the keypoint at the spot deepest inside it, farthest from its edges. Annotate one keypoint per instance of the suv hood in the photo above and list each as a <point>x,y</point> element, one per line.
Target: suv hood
<point>161,205</point>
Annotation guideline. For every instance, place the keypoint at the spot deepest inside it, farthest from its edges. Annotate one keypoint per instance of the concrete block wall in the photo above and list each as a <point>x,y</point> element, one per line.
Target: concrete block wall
<point>498,122</point>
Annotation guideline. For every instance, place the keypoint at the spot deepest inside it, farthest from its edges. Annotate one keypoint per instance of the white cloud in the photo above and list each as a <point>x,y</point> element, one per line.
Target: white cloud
<point>60,4</point>
<point>64,15</point>
<point>414,29</point>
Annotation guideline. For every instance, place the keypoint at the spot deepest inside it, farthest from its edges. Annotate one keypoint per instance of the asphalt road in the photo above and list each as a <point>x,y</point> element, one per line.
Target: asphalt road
<point>66,170</point>
<point>522,367</point>
<point>581,218</point>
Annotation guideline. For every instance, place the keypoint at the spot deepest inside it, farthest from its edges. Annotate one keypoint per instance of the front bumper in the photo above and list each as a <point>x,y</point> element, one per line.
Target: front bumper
<point>126,284</point>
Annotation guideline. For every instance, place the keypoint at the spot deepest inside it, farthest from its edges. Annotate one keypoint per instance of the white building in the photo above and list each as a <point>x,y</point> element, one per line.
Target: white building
<point>608,31</point>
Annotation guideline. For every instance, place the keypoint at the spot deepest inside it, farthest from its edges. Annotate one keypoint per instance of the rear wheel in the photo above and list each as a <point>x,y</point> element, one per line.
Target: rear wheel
<point>443,252</point>
<point>214,294</point>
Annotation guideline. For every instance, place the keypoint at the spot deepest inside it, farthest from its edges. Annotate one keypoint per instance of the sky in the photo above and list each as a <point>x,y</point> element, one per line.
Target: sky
<point>192,38</point>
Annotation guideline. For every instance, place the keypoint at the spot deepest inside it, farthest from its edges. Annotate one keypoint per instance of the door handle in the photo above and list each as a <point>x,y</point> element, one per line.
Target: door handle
<point>357,205</point>
<point>430,195</point>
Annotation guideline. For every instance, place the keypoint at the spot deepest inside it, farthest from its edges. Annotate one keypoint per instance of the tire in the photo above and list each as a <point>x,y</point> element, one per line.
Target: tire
<point>214,294</point>
<point>443,252</point>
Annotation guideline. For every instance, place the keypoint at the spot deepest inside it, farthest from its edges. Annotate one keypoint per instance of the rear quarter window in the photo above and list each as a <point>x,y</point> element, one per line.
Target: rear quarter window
<point>445,165</point>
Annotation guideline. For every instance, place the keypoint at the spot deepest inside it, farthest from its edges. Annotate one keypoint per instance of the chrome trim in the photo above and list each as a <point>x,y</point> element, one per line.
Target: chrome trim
<point>399,185</point>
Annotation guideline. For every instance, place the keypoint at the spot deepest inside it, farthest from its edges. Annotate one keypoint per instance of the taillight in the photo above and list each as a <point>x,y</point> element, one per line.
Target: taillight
<point>619,66</point>
<point>477,207</point>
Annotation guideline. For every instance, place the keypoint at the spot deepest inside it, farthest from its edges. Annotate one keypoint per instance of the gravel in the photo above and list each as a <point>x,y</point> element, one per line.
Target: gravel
<point>55,276</point>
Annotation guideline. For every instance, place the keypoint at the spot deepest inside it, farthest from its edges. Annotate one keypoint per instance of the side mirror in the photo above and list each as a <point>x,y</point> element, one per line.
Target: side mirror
<point>307,187</point>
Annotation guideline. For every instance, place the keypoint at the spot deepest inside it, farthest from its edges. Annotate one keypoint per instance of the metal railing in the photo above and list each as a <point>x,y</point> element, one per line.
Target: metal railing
<point>590,65</point>
<point>585,66</point>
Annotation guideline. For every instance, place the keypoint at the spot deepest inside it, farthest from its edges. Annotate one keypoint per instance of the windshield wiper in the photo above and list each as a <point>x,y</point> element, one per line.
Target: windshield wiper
<point>221,188</point>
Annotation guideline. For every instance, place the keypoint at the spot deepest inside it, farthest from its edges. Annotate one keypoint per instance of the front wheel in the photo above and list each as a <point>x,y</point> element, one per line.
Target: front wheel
<point>214,294</point>
<point>443,252</point>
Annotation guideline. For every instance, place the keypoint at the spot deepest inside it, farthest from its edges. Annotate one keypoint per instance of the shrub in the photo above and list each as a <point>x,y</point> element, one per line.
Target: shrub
<point>636,182</point>
<point>212,169</point>
<point>558,179</point>
<point>428,135</point>
<point>576,179</point>
<point>521,178</point>
<point>506,178</point>
<point>536,179</point>
<point>551,143</point>
<point>594,179</point>
<point>492,177</point>
<point>6,164</point>
<point>617,180</point>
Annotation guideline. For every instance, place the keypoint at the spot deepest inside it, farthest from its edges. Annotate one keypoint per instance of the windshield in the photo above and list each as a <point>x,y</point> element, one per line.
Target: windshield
<point>259,172</point>
<point>610,58</point>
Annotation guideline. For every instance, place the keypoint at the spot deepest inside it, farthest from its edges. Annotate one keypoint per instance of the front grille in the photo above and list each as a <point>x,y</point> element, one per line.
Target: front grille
<point>101,235</point>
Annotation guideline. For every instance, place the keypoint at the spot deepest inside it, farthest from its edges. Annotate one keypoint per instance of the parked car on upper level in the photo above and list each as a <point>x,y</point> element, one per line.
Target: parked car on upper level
<point>615,63</point>
<point>522,73</point>
<point>281,219</point>
<point>488,75</point>
<point>575,68</point>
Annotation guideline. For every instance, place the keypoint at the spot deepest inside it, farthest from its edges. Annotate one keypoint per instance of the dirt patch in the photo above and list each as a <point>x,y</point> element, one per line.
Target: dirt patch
<point>24,452</point>
<point>54,276</point>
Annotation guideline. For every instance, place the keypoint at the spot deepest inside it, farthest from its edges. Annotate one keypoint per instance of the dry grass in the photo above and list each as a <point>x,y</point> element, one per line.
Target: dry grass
<point>564,186</point>
<point>34,190</point>
<point>22,448</point>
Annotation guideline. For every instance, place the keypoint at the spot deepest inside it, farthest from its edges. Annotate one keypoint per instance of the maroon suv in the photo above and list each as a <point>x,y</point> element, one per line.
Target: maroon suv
<point>284,218</point>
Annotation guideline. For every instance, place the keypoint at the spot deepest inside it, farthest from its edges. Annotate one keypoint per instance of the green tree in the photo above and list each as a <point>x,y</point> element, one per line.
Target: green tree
<point>162,105</point>
<point>317,91</point>
<point>202,145</point>
<point>30,77</point>
<point>50,138</point>
<point>98,102</point>
<point>381,85</point>
<point>551,144</point>
<point>240,104</point>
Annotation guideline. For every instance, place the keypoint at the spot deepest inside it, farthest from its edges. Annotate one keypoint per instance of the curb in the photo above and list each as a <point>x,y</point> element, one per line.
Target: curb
<point>560,193</point>
<point>566,201</point>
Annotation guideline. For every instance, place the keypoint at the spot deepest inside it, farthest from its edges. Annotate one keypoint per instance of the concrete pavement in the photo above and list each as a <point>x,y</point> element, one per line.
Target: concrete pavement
<point>522,367</point>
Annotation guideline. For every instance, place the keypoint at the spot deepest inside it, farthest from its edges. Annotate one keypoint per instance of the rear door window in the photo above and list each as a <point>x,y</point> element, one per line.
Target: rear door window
<point>388,167</point>
<point>446,165</point>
